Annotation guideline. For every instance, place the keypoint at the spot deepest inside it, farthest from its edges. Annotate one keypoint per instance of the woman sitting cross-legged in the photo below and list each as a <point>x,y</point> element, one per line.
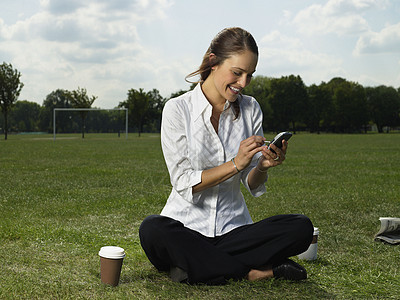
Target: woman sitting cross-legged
<point>212,141</point>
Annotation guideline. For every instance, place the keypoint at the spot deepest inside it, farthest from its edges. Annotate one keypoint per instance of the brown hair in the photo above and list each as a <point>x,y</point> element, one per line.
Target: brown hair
<point>228,42</point>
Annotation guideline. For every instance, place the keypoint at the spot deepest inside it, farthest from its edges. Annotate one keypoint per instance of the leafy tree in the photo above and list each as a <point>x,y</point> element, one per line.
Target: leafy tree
<point>349,104</point>
<point>138,105</point>
<point>319,106</point>
<point>144,108</point>
<point>259,88</point>
<point>10,89</point>
<point>156,105</point>
<point>80,99</point>
<point>288,98</point>
<point>25,116</point>
<point>383,106</point>
<point>56,99</point>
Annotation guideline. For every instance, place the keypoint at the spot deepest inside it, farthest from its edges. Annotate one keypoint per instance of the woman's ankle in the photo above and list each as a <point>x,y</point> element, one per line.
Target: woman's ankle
<point>255,274</point>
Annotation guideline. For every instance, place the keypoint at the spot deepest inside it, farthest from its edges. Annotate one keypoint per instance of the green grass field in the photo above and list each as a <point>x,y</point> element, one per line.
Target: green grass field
<point>61,201</point>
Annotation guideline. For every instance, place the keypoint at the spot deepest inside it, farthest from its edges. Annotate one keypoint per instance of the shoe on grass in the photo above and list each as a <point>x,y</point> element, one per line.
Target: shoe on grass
<point>289,270</point>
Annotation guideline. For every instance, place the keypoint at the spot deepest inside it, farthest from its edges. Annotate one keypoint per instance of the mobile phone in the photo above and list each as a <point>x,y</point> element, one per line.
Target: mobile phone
<point>277,141</point>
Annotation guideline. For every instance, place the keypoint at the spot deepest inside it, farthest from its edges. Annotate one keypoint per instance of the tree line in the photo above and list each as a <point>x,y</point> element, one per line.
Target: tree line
<point>339,106</point>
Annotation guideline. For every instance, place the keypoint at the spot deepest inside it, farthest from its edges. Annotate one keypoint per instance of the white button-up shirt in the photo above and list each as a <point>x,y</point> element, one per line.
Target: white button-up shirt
<point>190,145</point>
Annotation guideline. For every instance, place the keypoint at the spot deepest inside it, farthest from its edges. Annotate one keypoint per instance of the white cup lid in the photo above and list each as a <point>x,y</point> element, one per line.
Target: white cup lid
<point>316,231</point>
<point>112,252</point>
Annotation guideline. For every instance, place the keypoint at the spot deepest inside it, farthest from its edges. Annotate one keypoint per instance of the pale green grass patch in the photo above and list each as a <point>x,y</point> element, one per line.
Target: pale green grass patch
<point>61,201</point>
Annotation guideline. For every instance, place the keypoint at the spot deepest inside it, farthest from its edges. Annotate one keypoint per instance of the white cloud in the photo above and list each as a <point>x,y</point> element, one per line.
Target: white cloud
<point>279,40</point>
<point>109,46</point>
<point>336,7</point>
<point>283,55</point>
<point>61,7</point>
<point>2,30</point>
<point>341,17</point>
<point>91,44</point>
<point>385,41</point>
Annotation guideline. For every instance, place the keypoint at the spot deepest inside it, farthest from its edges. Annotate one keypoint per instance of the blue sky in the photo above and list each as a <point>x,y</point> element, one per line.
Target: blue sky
<point>109,47</point>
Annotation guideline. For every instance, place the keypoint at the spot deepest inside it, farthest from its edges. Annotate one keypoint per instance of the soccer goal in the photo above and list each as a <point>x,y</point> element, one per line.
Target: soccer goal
<point>89,109</point>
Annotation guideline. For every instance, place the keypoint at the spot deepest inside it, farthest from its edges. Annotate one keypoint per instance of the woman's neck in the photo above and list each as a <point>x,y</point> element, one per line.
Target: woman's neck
<point>212,95</point>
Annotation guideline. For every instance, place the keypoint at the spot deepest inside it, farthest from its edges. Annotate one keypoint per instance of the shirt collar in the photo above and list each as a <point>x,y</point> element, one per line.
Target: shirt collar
<point>200,102</point>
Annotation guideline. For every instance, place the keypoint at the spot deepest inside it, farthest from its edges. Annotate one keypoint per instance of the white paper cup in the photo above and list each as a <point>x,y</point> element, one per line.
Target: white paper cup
<point>311,252</point>
<point>111,258</point>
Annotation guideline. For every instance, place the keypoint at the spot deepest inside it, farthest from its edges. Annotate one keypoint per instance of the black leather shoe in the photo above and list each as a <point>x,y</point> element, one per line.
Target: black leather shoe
<point>289,270</point>
<point>178,275</point>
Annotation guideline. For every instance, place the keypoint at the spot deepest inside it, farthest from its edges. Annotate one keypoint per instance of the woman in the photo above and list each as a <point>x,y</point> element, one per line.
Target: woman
<point>212,140</point>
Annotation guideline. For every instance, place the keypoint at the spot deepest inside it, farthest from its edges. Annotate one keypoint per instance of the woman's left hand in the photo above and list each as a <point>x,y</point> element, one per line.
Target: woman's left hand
<point>270,159</point>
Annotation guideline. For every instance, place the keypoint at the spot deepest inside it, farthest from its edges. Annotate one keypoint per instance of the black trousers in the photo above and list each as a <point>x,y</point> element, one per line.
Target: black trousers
<point>168,243</point>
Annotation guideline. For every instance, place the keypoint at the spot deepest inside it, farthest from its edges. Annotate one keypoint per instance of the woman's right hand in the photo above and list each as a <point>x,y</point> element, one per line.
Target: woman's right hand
<point>211,177</point>
<point>248,148</point>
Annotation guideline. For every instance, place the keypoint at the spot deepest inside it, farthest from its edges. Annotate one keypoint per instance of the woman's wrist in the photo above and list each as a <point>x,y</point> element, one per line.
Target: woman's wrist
<point>260,169</point>
<point>234,164</point>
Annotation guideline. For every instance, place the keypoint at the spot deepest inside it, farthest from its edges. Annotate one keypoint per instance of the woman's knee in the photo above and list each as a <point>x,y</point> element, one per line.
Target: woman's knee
<point>150,225</point>
<point>157,226</point>
<point>303,229</point>
<point>305,223</point>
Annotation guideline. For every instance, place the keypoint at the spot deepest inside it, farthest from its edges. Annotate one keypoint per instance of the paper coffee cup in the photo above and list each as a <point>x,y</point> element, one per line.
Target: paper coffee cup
<point>111,258</point>
<point>311,252</point>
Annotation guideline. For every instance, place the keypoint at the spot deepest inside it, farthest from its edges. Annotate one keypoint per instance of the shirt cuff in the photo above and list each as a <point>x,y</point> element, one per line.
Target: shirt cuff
<point>257,192</point>
<point>261,189</point>
<point>196,179</point>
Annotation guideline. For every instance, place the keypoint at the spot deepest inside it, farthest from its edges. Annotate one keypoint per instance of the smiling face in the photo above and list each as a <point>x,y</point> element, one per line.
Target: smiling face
<point>228,78</point>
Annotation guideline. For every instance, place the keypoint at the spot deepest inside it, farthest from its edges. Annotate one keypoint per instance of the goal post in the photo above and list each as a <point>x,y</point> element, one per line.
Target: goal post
<point>89,109</point>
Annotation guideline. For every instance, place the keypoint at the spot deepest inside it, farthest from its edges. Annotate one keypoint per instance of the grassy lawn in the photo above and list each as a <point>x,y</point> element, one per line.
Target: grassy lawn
<point>61,201</point>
